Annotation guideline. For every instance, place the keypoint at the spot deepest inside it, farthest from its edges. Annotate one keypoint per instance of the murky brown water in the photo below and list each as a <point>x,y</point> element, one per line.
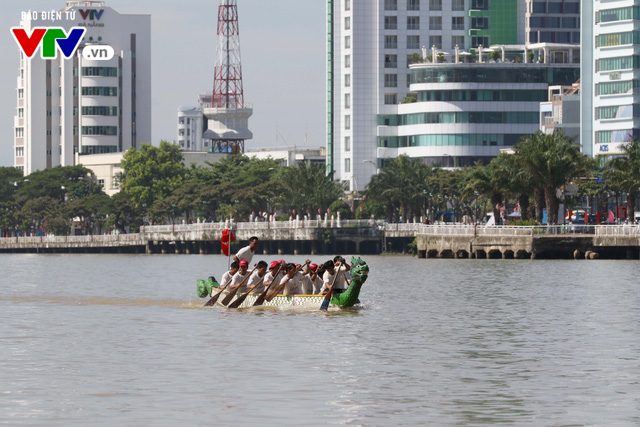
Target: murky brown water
<point>106,339</point>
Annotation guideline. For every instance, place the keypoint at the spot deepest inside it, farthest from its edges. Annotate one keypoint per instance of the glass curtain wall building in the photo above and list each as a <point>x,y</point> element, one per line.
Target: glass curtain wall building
<point>373,43</point>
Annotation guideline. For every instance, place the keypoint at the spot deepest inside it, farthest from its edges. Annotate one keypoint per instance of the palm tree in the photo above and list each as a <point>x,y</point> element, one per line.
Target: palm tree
<point>489,181</point>
<point>551,160</point>
<point>307,188</point>
<point>402,184</point>
<point>624,173</point>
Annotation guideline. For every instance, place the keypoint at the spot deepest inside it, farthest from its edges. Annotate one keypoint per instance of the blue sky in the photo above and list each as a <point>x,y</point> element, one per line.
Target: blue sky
<point>283,52</point>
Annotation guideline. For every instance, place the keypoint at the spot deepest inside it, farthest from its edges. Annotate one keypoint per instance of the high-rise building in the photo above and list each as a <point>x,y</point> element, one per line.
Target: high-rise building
<point>373,43</point>
<point>610,99</point>
<point>79,105</point>
<point>553,21</point>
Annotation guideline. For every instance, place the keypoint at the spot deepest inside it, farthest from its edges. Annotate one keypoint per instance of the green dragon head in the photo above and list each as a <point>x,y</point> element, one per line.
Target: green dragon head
<point>359,269</point>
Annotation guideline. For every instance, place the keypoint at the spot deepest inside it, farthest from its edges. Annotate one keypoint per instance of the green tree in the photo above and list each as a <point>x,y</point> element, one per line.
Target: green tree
<point>123,213</point>
<point>624,173</point>
<point>552,160</point>
<point>306,189</point>
<point>489,181</point>
<point>152,173</point>
<point>403,184</point>
<point>9,177</point>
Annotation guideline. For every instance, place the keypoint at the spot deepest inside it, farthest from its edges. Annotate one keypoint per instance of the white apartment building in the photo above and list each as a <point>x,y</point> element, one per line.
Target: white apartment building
<point>190,129</point>
<point>610,80</point>
<point>76,105</point>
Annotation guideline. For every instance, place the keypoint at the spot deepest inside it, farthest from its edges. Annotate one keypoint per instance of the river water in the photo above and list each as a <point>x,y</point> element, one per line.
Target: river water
<point>107,339</point>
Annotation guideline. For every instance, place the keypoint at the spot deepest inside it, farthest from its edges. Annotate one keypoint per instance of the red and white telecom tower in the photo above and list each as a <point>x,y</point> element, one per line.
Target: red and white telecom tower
<point>227,114</point>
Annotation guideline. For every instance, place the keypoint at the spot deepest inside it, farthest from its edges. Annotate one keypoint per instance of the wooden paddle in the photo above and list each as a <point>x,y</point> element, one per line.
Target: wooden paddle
<point>327,298</point>
<point>214,298</point>
<point>263,295</point>
<point>233,293</point>
<point>281,286</point>
<point>243,297</point>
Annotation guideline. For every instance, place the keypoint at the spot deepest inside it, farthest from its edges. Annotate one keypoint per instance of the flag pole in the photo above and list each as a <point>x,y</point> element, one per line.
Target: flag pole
<point>229,244</point>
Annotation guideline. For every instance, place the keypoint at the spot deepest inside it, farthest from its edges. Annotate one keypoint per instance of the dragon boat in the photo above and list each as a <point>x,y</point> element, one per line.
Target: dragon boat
<point>348,298</point>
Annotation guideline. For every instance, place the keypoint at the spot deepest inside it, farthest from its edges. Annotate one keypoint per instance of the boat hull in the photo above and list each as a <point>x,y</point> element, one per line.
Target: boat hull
<point>282,301</point>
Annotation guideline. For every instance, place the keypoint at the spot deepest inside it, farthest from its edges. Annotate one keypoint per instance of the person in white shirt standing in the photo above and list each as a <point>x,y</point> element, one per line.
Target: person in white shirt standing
<point>246,253</point>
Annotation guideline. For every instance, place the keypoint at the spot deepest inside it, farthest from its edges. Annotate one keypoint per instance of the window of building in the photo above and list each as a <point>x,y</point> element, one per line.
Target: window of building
<point>347,5</point>
<point>480,23</point>
<point>19,151</point>
<point>100,71</point>
<point>347,23</point>
<point>481,4</point>
<point>539,7</point>
<point>347,100</point>
<point>390,22</point>
<point>20,112</point>
<point>390,80</point>
<point>457,23</point>
<point>457,5</point>
<point>181,121</point>
<point>347,165</point>
<point>100,130</point>
<point>435,23</point>
<point>347,61</point>
<point>457,40</point>
<point>101,111</point>
<point>477,41</point>
<point>347,143</point>
<point>435,4</point>
<point>347,42</point>
<point>413,22</point>
<point>390,98</point>
<point>100,91</point>
<point>391,61</point>
<point>390,42</point>
<point>390,4</point>
<point>413,4</point>
<point>20,93</point>
<point>101,183</point>
<point>347,122</point>
<point>435,41</point>
<point>413,42</point>
<point>347,80</point>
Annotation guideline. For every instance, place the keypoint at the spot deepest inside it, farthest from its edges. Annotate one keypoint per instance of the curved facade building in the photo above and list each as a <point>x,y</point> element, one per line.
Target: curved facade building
<point>465,112</point>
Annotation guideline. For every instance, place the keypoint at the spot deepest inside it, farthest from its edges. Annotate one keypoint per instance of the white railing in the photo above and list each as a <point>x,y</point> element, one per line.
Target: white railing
<point>631,230</point>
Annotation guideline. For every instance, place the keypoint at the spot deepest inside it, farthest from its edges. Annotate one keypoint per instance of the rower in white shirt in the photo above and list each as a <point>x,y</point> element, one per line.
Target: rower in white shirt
<point>340,284</point>
<point>247,252</point>
<point>228,275</point>
<point>272,276</point>
<point>291,283</point>
<point>239,277</point>
<point>314,278</point>
<point>256,277</point>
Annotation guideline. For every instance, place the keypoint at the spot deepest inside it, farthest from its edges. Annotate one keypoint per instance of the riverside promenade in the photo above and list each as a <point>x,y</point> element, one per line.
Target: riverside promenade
<point>356,237</point>
<point>575,241</point>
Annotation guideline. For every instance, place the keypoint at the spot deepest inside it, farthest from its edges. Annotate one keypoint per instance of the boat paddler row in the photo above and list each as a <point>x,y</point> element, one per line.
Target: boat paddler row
<point>297,284</point>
